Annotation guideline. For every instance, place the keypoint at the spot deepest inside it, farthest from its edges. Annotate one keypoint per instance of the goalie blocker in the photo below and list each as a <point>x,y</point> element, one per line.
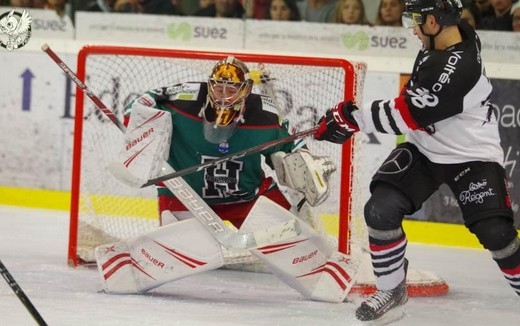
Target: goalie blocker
<point>306,263</point>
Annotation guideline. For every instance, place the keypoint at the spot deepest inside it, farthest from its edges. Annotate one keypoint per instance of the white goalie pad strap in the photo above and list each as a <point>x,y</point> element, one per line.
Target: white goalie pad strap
<point>306,263</point>
<point>147,142</point>
<point>305,173</point>
<point>166,254</point>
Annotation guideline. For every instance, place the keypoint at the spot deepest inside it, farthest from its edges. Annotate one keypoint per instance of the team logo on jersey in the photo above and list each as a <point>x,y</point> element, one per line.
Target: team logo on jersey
<point>15,29</point>
<point>223,147</point>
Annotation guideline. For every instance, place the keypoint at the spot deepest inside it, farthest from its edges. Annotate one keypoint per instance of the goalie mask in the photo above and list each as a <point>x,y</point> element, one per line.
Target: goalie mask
<point>229,85</point>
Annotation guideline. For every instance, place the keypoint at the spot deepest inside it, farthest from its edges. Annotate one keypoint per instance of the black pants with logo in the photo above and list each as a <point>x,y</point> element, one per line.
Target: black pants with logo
<point>480,187</point>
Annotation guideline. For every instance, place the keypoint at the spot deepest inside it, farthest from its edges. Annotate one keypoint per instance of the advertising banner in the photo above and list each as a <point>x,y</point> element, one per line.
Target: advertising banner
<point>36,101</point>
<point>162,30</point>
<point>330,38</point>
<point>378,41</point>
<point>500,46</point>
<point>44,24</point>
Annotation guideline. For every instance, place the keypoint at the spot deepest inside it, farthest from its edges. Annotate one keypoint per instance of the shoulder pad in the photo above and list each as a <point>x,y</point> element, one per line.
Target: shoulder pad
<point>147,100</point>
<point>185,91</point>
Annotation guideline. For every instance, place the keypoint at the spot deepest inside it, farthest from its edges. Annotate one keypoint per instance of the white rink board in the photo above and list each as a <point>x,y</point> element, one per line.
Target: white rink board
<point>37,120</point>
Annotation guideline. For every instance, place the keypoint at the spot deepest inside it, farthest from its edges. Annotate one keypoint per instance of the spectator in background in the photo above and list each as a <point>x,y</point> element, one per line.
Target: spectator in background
<point>27,3</point>
<point>126,6</point>
<point>223,8</point>
<point>256,9</point>
<point>283,10</point>
<point>471,14</point>
<point>484,7</point>
<point>515,17</point>
<point>501,19</point>
<point>350,12</point>
<point>205,3</point>
<point>154,7</point>
<point>389,13</point>
<point>98,5</point>
<point>319,11</point>
<point>159,7</point>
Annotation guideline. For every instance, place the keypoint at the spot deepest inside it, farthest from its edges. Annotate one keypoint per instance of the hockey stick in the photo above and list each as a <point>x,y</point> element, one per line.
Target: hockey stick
<point>131,180</point>
<point>21,295</point>
<point>200,209</point>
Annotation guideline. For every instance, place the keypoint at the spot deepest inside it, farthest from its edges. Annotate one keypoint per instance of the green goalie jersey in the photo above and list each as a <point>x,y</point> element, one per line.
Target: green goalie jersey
<point>232,181</point>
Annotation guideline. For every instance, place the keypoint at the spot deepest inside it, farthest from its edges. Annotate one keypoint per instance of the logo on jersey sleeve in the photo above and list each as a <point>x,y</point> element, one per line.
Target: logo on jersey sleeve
<point>268,104</point>
<point>186,91</point>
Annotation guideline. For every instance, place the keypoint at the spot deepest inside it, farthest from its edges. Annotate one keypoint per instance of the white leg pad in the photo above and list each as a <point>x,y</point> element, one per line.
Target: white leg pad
<point>306,263</point>
<point>166,254</point>
<point>336,278</point>
<point>116,268</point>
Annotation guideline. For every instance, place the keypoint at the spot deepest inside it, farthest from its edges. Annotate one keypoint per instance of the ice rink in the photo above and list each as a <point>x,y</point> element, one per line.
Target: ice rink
<point>33,246</point>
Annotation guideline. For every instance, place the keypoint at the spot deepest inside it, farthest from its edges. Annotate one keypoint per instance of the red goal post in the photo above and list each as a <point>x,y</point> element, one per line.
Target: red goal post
<point>104,210</point>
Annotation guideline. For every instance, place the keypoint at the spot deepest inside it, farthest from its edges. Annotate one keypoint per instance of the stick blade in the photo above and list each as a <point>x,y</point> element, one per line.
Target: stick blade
<point>270,223</point>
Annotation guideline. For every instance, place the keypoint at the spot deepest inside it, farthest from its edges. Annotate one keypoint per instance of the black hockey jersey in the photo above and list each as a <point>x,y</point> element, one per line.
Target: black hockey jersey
<point>444,108</point>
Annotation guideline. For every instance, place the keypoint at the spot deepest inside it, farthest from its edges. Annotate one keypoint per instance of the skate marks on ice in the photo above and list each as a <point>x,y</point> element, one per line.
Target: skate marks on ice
<point>33,244</point>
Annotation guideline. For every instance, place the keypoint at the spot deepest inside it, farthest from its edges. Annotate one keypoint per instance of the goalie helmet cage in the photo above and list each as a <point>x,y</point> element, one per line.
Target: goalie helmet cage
<point>103,210</point>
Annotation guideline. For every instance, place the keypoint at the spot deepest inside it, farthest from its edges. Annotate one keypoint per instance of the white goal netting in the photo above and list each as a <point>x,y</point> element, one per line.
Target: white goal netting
<point>104,210</point>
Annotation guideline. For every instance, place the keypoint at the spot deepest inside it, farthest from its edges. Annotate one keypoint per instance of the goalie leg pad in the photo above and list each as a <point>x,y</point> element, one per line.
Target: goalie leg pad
<point>115,265</point>
<point>306,263</point>
<point>305,173</point>
<point>166,254</point>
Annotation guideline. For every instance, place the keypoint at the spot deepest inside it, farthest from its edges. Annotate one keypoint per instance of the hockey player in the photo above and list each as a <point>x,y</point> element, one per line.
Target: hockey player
<point>193,122</point>
<point>452,137</point>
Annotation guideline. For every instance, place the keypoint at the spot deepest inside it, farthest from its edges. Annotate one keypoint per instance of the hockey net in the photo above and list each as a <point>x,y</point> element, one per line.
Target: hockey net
<point>103,210</point>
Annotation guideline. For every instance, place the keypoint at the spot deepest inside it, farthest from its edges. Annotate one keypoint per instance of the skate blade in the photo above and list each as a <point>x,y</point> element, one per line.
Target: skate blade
<point>390,317</point>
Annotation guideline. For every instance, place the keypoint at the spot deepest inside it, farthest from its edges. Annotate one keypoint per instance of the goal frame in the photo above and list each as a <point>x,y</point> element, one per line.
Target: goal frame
<point>345,200</point>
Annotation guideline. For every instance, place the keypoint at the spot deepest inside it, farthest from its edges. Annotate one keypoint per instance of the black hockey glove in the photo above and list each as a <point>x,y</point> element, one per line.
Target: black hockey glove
<point>338,124</point>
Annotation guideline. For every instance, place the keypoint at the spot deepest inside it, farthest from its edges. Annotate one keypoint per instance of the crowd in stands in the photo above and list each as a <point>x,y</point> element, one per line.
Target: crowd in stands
<point>498,15</point>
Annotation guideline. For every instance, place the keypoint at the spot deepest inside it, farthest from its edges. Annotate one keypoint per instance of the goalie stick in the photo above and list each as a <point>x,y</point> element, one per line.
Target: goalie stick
<point>136,182</point>
<point>212,222</point>
<point>21,295</point>
<point>259,79</point>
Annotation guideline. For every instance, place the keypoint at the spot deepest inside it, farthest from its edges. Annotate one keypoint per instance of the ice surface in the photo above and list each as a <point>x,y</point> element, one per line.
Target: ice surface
<point>33,246</point>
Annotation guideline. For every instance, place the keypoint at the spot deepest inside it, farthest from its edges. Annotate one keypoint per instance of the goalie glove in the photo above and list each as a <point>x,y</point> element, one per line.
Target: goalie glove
<point>305,173</point>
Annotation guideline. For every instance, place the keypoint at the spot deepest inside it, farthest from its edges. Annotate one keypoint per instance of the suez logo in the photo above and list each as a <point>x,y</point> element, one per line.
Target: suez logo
<point>49,25</point>
<point>362,41</point>
<point>186,32</point>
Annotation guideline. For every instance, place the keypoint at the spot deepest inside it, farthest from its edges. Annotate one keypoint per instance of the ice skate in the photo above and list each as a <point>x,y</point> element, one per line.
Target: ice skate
<point>385,306</point>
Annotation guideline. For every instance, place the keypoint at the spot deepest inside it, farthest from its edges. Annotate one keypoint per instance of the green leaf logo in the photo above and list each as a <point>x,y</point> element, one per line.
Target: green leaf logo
<point>180,31</point>
<point>359,39</point>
